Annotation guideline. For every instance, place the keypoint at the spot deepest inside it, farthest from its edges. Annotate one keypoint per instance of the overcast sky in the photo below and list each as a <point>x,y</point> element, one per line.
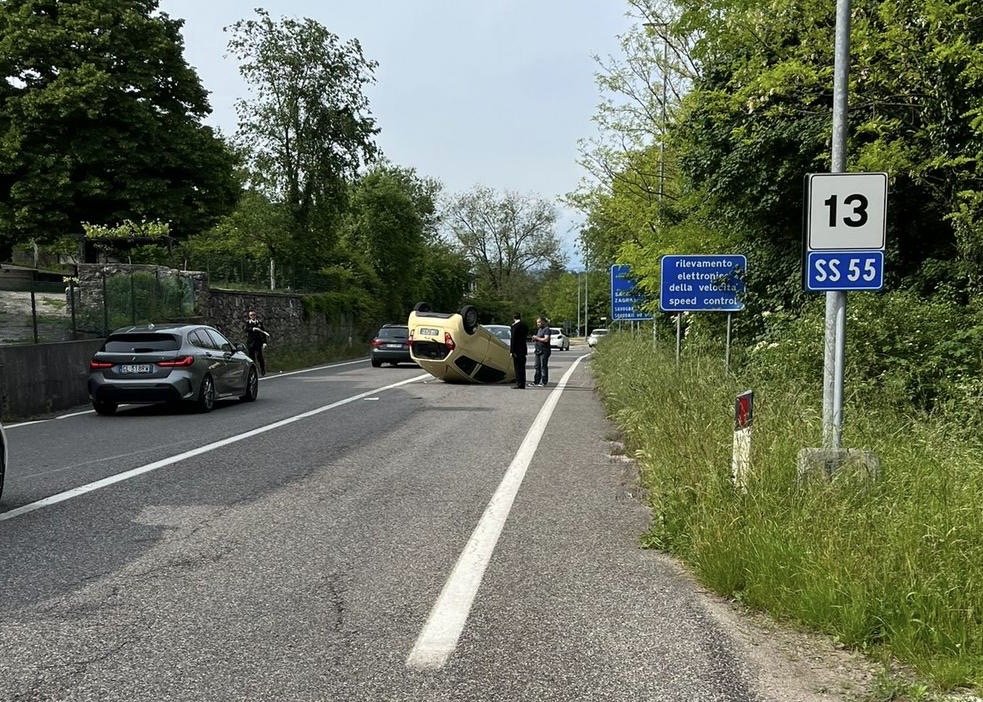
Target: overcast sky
<point>471,92</point>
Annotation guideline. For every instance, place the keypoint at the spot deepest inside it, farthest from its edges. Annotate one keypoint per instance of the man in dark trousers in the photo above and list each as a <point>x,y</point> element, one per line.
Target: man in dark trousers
<point>256,338</point>
<point>517,345</point>
<point>541,341</point>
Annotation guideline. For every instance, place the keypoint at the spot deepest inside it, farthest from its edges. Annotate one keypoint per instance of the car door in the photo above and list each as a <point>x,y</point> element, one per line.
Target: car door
<point>233,378</point>
<point>212,356</point>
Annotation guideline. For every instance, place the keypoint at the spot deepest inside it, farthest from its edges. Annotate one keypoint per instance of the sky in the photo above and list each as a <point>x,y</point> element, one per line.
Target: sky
<point>495,93</point>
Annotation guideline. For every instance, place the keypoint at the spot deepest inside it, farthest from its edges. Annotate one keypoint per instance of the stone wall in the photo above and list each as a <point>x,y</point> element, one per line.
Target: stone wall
<point>40,378</point>
<point>283,315</point>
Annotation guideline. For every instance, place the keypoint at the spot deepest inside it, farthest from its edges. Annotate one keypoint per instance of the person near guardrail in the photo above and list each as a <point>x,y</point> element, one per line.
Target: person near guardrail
<point>256,338</point>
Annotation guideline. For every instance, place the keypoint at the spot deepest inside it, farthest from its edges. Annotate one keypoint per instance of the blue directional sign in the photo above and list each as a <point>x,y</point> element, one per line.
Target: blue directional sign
<point>626,301</point>
<point>702,283</point>
<point>845,270</point>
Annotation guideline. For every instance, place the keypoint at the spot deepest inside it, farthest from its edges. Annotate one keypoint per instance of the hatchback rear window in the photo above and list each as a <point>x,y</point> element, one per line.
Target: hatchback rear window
<point>394,333</point>
<point>141,343</point>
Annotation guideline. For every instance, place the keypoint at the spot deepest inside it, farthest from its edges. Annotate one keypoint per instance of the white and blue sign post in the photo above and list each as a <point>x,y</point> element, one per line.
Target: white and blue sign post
<point>712,283</point>
<point>845,221</point>
<point>626,300</point>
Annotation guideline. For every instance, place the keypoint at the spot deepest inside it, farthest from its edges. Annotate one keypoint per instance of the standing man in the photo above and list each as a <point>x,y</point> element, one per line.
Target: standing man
<point>542,342</point>
<point>517,345</point>
<point>256,338</point>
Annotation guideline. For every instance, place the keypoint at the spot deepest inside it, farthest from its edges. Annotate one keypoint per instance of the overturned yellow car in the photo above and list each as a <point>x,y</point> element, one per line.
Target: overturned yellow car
<point>454,348</point>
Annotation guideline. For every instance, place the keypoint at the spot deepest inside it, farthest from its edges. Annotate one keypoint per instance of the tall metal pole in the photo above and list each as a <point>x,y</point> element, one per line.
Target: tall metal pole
<point>578,305</point>
<point>833,359</point>
<point>662,129</point>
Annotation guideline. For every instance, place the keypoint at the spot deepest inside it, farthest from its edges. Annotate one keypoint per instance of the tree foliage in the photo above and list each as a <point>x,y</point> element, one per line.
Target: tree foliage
<point>100,122</point>
<point>307,123</point>
<point>755,116</point>
<point>504,236</point>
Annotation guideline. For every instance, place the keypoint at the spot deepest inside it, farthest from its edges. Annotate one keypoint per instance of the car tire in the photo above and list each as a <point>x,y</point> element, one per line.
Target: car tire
<point>252,386</point>
<point>376,364</point>
<point>469,313</point>
<point>104,407</point>
<point>206,395</point>
<point>421,307</point>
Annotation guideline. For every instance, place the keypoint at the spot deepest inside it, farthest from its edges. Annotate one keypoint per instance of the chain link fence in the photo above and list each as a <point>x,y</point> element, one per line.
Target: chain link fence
<point>39,310</point>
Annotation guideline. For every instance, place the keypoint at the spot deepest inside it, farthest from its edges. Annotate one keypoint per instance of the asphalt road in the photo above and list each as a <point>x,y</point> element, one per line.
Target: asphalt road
<point>355,534</point>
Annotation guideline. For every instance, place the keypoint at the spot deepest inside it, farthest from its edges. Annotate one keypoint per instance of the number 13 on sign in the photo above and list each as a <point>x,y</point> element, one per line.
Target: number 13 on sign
<point>846,211</point>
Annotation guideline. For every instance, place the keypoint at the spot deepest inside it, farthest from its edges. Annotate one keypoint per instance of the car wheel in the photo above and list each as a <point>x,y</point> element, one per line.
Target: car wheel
<point>376,364</point>
<point>469,313</point>
<point>421,307</point>
<point>206,395</point>
<point>252,386</point>
<point>104,407</point>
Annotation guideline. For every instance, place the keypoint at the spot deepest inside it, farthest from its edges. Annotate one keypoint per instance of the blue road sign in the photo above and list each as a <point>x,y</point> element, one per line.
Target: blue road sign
<point>845,270</point>
<point>626,301</point>
<point>702,283</point>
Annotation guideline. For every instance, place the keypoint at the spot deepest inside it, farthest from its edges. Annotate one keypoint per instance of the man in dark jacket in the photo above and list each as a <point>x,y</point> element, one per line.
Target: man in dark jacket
<point>256,338</point>
<point>517,345</point>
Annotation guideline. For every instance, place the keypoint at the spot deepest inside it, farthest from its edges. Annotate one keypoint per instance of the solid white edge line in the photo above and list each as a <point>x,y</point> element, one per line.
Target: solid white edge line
<point>120,477</point>
<point>439,636</point>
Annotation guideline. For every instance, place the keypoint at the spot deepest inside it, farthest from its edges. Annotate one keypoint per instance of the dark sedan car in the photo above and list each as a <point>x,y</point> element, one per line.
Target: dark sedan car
<point>170,363</point>
<point>391,345</point>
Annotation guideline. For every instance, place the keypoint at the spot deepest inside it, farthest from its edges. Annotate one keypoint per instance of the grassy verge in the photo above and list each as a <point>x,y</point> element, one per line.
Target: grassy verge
<point>288,359</point>
<point>893,567</point>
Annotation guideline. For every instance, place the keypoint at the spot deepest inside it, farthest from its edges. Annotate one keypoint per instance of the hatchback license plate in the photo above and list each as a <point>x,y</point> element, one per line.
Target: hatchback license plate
<point>394,346</point>
<point>429,331</point>
<point>141,369</point>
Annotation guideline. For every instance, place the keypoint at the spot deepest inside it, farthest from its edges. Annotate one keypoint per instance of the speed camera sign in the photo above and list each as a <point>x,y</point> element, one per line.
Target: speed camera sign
<point>846,211</point>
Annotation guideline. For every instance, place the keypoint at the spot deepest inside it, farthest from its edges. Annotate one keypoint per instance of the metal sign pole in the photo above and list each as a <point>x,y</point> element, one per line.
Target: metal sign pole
<point>727,350</point>
<point>835,342</point>
<point>679,336</point>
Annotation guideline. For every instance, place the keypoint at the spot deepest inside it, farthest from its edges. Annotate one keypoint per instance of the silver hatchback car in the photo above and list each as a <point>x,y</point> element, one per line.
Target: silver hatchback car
<point>170,363</point>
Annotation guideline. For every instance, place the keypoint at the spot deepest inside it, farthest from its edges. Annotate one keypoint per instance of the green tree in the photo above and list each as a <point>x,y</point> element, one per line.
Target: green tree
<point>100,122</point>
<point>505,237</point>
<point>386,227</point>
<point>307,123</point>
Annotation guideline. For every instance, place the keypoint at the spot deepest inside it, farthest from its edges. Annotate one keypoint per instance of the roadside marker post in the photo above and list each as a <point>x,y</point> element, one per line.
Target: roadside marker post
<point>741,461</point>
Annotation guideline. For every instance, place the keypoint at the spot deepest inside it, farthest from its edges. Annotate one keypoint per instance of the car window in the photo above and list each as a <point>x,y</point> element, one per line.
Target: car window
<point>556,330</point>
<point>401,333</point>
<point>197,338</point>
<point>502,332</point>
<point>220,342</point>
<point>141,343</point>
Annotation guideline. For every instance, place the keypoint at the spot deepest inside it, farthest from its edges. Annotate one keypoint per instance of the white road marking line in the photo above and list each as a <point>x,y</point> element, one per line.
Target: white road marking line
<point>133,473</point>
<point>271,377</point>
<point>438,638</point>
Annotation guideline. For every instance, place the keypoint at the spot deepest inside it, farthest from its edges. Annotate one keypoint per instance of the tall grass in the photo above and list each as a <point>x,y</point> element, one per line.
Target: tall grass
<point>891,566</point>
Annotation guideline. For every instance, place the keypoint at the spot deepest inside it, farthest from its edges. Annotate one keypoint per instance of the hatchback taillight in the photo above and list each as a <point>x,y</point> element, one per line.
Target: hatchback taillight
<point>182,362</point>
<point>376,343</point>
<point>99,365</point>
<point>449,341</point>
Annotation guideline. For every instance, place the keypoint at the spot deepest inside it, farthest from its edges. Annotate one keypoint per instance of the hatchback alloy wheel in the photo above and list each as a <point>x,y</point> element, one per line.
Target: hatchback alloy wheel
<point>252,386</point>
<point>206,396</point>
